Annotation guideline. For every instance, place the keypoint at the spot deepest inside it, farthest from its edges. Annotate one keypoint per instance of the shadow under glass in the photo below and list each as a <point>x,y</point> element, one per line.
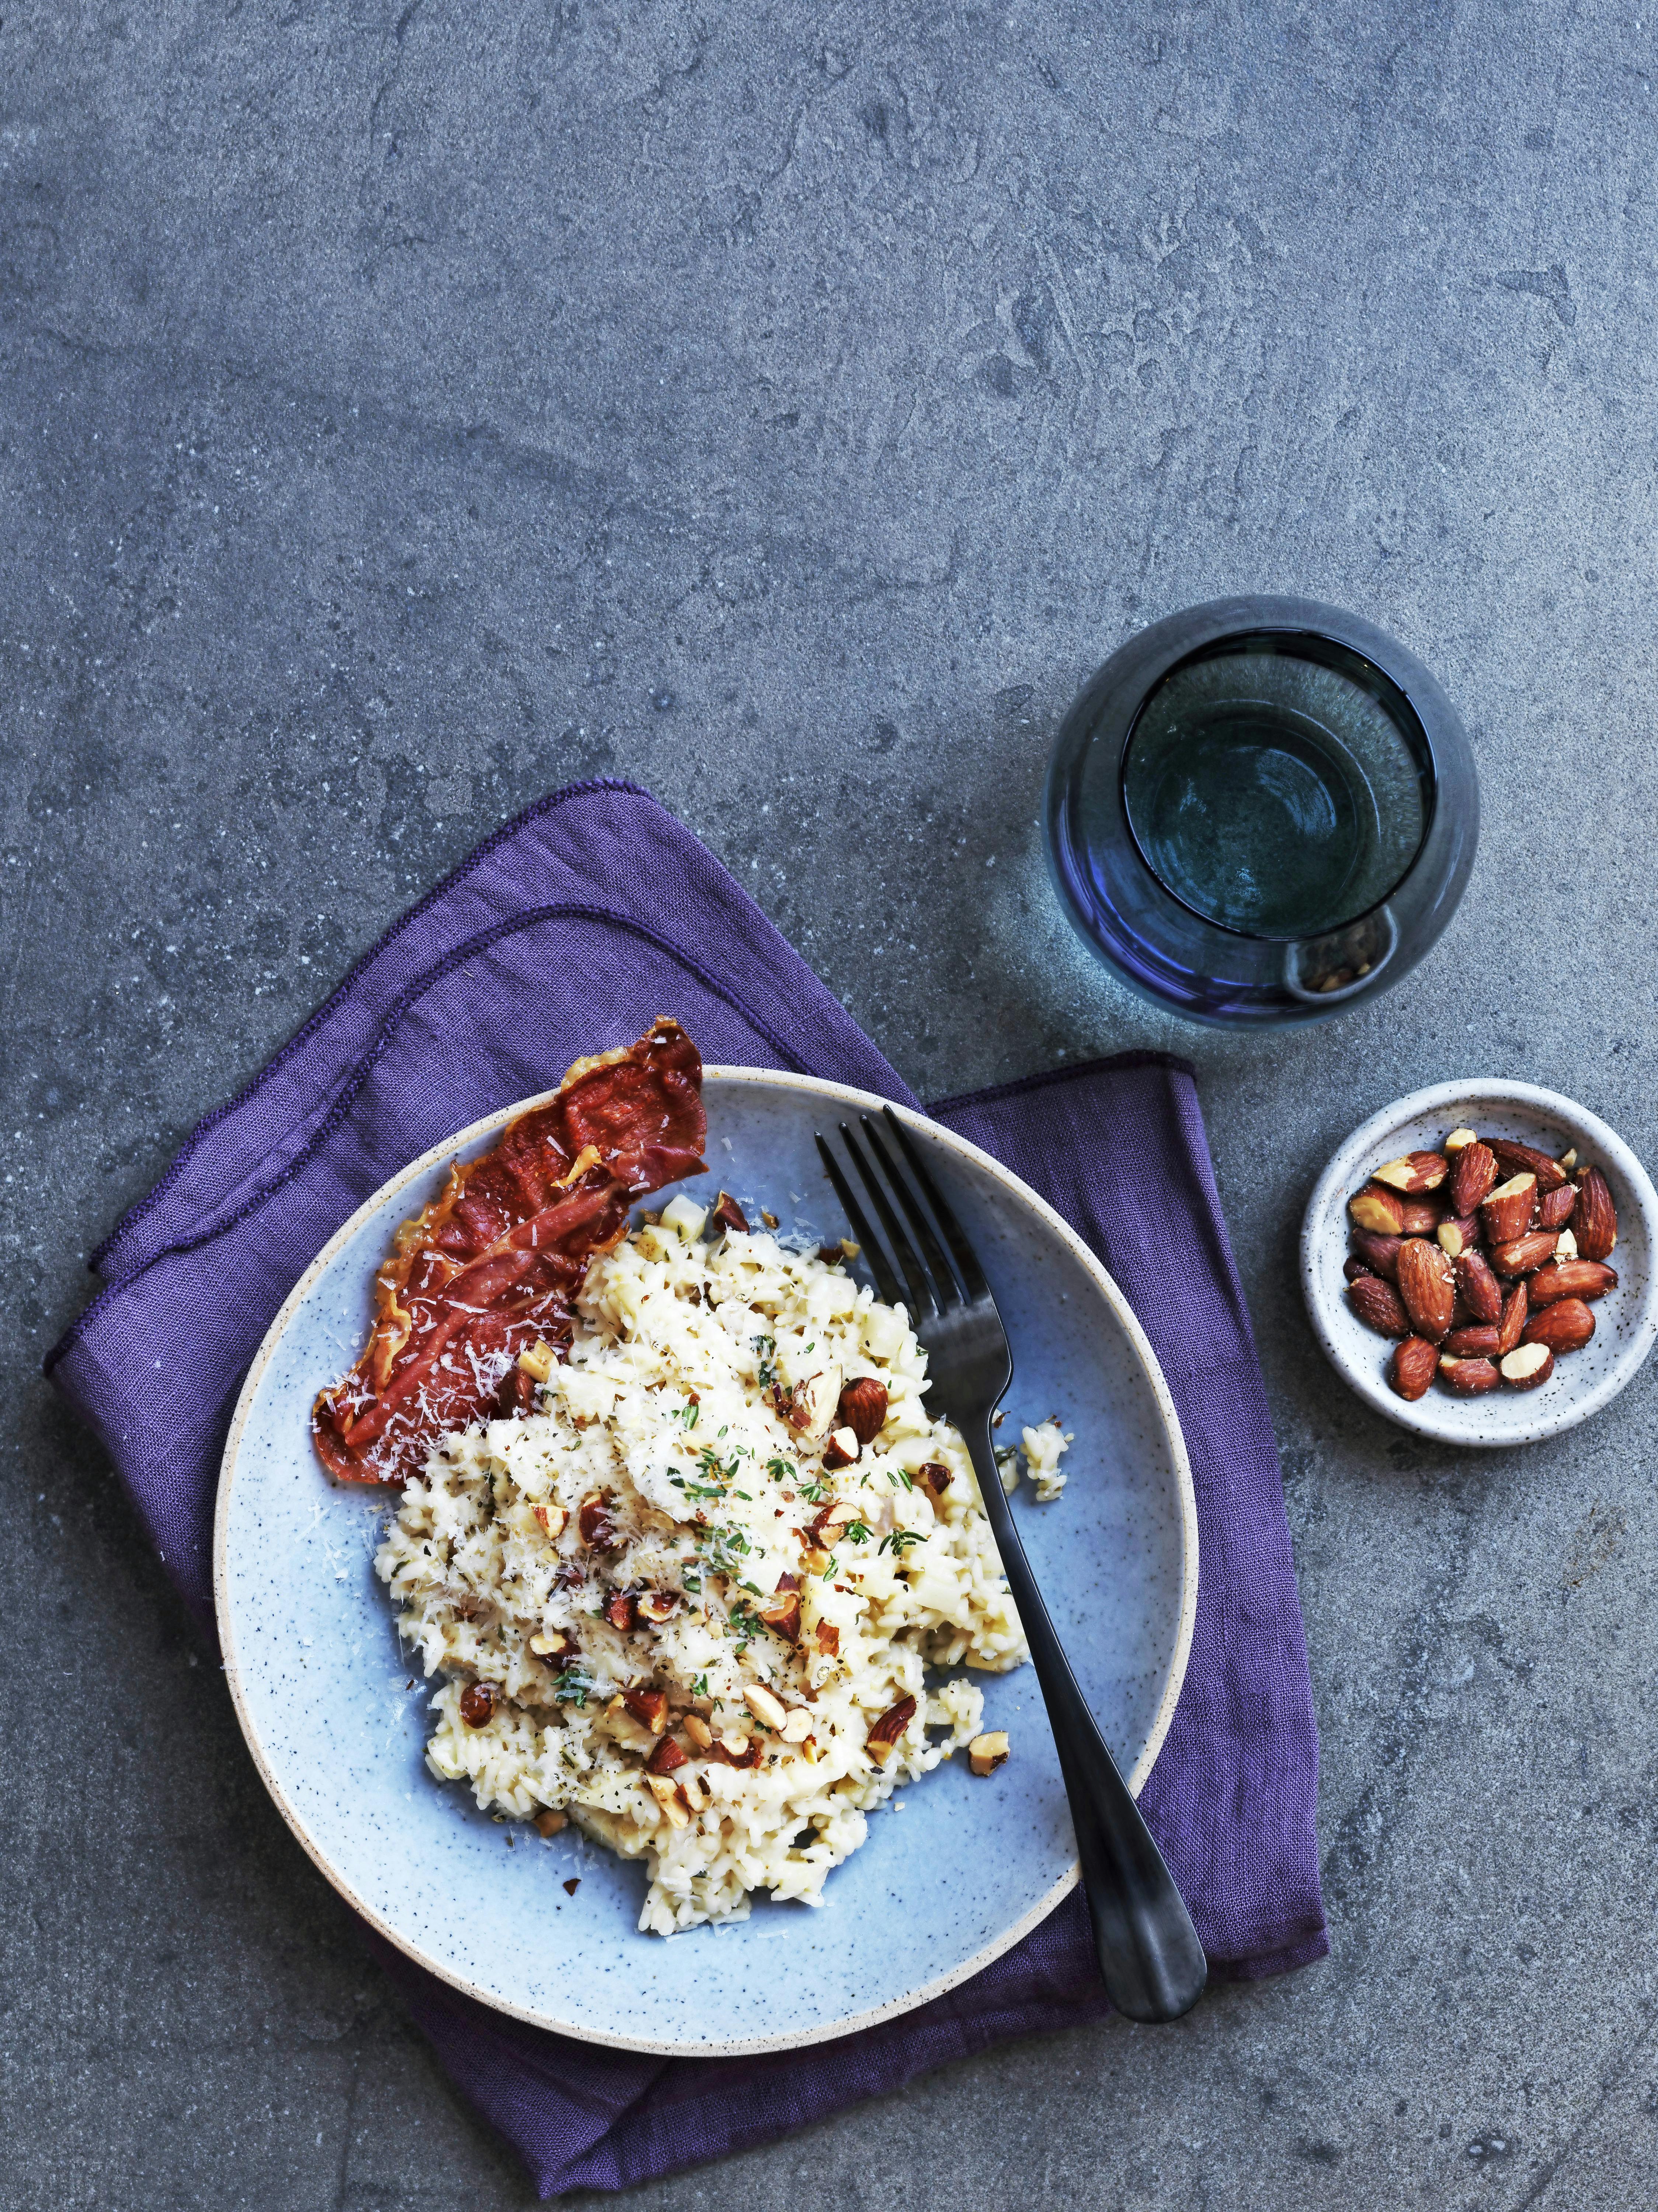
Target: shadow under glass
<point>1278,785</point>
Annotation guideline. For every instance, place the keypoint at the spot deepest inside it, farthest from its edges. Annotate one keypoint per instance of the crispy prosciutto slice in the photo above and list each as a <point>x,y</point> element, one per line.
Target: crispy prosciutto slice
<point>495,1263</point>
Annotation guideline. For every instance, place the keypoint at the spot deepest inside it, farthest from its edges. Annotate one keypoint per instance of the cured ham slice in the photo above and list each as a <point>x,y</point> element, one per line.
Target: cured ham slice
<point>493,1267</point>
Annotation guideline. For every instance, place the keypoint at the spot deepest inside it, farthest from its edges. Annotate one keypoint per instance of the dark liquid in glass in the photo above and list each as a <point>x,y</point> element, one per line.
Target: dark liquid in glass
<point>1274,796</point>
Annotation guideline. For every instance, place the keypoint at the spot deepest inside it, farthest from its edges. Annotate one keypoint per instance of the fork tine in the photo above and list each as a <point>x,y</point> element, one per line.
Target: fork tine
<point>885,1282</point>
<point>921,1300</point>
<point>965,1259</point>
<point>944,1290</point>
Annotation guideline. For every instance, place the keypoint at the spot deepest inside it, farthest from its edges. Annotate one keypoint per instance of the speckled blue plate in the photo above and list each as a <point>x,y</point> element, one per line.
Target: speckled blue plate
<point>955,1870</point>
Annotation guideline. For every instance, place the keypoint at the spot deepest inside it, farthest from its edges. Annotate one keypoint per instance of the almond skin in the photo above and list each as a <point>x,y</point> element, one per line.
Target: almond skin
<point>1474,1178</point>
<point>1379,1253</point>
<point>1566,1326</point>
<point>1594,1218</point>
<point>1468,1378</point>
<point>1525,1160</point>
<point>1378,1306</point>
<point>1478,1342</point>
<point>1481,1293</point>
<point>1415,1173</point>
<point>863,1407</point>
<point>1507,1212</point>
<point>1427,1287</point>
<point>1554,1208</point>
<point>1572,1279</point>
<point>1524,1254</point>
<point>1412,1367</point>
<point>1378,1209</point>
<point>1515,1308</point>
<point>1524,1369</point>
<point>1420,1217</point>
<point>1352,1268</point>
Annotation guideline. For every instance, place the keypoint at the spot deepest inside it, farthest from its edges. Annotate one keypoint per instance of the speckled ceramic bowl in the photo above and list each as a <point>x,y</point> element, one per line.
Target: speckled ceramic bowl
<point>954,1872</point>
<point>1626,1319</point>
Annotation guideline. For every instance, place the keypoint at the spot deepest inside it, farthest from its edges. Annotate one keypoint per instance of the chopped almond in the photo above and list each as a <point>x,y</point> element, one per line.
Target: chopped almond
<point>537,1362</point>
<point>550,1823</point>
<point>671,1798</point>
<point>988,1752</point>
<point>649,1707</point>
<point>765,1706</point>
<point>552,1518</point>
<point>699,1731</point>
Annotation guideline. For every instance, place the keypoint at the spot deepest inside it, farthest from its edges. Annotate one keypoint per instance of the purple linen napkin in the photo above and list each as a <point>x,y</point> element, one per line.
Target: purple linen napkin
<point>570,930</point>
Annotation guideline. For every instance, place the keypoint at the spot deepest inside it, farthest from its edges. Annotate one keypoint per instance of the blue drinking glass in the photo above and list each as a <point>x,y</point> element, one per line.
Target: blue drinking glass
<point>1261,811</point>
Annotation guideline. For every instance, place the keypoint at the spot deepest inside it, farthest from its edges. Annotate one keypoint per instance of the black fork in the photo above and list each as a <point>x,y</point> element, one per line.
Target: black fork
<point>1147,1947</point>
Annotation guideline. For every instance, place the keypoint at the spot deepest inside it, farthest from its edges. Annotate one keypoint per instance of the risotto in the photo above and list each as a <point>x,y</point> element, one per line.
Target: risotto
<point>690,1599</point>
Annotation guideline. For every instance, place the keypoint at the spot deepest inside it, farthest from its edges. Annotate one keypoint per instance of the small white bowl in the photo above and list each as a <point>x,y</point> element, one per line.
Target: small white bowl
<point>1626,1319</point>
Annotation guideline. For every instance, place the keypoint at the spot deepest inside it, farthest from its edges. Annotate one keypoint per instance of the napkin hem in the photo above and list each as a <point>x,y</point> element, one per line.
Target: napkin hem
<point>1044,1076</point>
<point>357,1074</point>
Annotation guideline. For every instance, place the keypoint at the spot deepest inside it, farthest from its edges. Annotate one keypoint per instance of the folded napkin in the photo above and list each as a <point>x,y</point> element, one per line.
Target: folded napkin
<point>570,930</point>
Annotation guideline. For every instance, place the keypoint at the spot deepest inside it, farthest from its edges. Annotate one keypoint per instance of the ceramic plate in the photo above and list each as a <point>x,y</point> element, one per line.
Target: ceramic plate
<point>1627,1320</point>
<point>955,1870</point>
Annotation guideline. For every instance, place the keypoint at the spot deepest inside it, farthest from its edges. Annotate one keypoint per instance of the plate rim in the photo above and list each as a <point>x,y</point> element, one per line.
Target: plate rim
<point>907,2001</point>
<point>1332,1184</point>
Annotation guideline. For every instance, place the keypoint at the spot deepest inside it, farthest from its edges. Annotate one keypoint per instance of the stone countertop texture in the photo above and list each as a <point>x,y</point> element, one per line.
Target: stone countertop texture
<point>411,407</point>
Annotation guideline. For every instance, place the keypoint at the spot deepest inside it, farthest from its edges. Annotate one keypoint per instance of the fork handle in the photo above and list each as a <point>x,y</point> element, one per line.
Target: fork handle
<point>1148,1949</point>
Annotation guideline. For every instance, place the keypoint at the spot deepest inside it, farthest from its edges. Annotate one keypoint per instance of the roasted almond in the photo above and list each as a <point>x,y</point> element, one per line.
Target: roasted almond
<point>863,1407</point>
<point>595,1523</point>
<point>1473,1177</point>
<point>765,1705</point>
<point>886,1731</point>
<point>550,1823</point>
<point>1481,1293</point>
<point>1525,1160</point>
<point>657,1606</point>
<point>810,1406</point>
<point>841,1448</point>
<point>552,1518</point>
<point>1379,1210</point>
<point>1524,1253</point>
<point>649,1707</point>
<point>1412,1367</point>
<point>1351,1269</point>
<point>551,1643</point>
<point>622,1611</point>
<point>1566,1326</point>
<point>1554,1208</point>
<point>1379,1253</point>
<point>1468,1378</point>
<point>1524,1367</point>
<point>1415,1173</point>
<point>699,1731</point>
<point>1420,1217</point>
<point>666,1756</point>
<point>1572,1279</point>
<point>988,1752</point>
<point>781,1614</point>
<point>1378,1306</point>
<point>1516,1307</point>
<point>1507,1212</point>
<point>1427,1287</point>
<point>1566,1247</point>
<point>1594,1218</point>
<point>934,1478</point>
<point>1477,1342</point>
<point>1457,1234</point>
<point>1458,1141</point>
<point>478,1701</point>
<point>671,1797</point>
<point>827,1637</point>
<point>727,1213</point>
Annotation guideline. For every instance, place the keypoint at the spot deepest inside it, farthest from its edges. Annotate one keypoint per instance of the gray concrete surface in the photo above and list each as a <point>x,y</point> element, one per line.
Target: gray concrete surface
<point>409,407</point>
